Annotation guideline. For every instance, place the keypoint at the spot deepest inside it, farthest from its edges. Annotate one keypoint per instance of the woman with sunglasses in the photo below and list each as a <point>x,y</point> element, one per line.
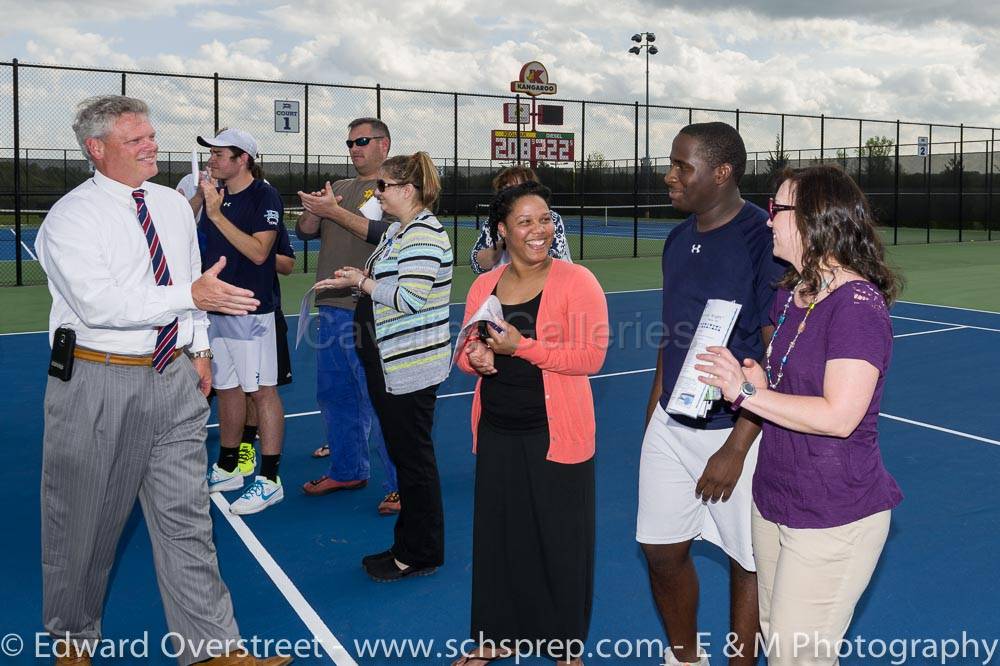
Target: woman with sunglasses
<point>822,495</point>
<point>404,344</point>
<point>533,434</point>
<point>490,251</point>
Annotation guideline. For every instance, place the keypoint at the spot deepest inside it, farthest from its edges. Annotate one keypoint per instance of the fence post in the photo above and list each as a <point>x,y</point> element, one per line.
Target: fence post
<point>215,82</point>
<point>123,84</point>
<point>635,187</point>
<point>583,167</point>
<point>378,101</point>
<point>961,178</point>
<point>822,137</point>
<point>895,198</point>
<point>930,159</point>
<point>454,175</point>
<point>305,169</point>
<point>19,277</point>
<point>860,150</point>
<point>737,121</point>
<point>989,188</point>
<point>781,139</point>
<point>305,139</point>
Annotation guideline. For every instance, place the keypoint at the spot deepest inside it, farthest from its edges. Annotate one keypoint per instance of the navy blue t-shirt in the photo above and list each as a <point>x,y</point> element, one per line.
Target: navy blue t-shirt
<point>732,263</point>
<point>255,209</point>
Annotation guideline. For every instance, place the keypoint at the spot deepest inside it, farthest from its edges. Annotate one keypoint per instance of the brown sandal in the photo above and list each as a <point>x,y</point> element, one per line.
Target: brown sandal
<point>322,452</point>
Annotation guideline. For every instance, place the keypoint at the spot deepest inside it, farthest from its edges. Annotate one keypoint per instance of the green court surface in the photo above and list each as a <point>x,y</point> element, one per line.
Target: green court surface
<point>955,274</point>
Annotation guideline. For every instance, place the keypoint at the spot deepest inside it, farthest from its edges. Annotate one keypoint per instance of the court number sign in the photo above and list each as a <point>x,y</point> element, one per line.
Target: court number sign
<point>535,146</point>
<point>286,115</point>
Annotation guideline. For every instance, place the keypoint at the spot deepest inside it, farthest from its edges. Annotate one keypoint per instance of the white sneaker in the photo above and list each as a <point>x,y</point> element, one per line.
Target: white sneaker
<point>261,494</point>
<point>220,480</point>
<point>671,660</point>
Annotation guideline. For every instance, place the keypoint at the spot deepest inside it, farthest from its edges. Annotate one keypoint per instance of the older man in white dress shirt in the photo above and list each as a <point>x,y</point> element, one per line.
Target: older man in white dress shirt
<point>123,265</point>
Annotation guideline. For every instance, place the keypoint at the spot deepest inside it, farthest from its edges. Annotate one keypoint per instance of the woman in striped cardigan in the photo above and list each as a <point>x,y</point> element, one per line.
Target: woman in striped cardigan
<point>404,343</point>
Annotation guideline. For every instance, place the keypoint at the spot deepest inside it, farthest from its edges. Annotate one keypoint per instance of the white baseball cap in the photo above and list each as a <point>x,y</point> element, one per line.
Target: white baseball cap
<point>232,138</point>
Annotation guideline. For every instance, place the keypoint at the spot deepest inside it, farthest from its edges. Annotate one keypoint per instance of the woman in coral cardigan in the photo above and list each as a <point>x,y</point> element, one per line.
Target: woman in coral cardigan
<point>533,432</point>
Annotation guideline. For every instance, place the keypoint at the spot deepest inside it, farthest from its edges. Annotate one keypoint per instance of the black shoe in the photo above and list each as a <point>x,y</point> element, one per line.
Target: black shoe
<point>384,555</point>
<point>386,571</point>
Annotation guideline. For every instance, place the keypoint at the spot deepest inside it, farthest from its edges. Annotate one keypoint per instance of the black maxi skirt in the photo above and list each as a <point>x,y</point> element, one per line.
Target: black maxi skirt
<point>533,545</point>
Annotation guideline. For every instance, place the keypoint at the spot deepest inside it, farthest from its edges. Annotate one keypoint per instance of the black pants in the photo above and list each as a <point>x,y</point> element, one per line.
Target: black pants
<point>407,421</point>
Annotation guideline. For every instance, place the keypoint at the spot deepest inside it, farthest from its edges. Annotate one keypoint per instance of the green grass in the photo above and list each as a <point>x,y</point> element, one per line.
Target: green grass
<point>956,274</point>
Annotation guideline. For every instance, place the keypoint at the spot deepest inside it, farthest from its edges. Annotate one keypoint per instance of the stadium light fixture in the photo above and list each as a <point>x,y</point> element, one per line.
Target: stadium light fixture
<point>645,40</point>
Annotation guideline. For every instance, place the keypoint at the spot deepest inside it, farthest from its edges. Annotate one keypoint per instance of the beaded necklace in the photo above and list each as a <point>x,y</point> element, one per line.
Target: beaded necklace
<point>791,345</point>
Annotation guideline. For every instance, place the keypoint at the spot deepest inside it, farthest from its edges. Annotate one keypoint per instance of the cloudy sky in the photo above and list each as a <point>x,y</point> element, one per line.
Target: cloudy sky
<point>915,60</point>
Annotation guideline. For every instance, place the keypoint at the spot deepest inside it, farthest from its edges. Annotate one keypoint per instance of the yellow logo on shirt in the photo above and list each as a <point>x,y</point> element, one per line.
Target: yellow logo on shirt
<point>369,193</point>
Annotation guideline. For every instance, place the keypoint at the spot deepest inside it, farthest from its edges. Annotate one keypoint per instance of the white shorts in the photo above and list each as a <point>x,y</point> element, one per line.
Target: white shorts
<point>244,351</point>
<point>673,459</point>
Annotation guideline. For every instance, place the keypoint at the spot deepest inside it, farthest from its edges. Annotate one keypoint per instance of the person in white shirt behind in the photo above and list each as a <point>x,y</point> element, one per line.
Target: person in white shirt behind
<point>129,421</point>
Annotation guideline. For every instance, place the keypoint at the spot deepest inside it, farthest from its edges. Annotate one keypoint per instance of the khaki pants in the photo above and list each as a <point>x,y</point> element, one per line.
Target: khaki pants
<point>809,581</point>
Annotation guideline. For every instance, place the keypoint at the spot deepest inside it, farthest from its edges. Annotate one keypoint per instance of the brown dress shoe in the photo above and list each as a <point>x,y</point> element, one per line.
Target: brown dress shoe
<point>73,656</point>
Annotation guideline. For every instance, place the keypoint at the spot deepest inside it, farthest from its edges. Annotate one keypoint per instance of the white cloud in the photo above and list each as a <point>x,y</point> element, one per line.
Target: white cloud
<point>216,21</point>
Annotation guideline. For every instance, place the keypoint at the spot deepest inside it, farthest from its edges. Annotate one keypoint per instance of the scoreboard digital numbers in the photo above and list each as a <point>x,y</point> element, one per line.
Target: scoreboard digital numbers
<point>535,146</point>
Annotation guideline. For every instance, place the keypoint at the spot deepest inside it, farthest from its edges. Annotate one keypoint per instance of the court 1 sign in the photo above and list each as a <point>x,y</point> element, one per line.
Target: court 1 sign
<point>535,146</point>
<point>286,116</point>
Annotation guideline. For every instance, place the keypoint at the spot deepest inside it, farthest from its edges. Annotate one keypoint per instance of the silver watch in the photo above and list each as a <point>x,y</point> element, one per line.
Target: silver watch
<point>204,353</point>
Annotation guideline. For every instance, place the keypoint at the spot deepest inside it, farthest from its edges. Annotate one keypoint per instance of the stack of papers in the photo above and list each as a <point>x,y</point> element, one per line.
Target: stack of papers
<point>690,397</point>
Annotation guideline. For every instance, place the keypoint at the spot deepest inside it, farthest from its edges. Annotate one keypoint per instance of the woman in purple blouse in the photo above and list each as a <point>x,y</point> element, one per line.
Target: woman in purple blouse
<point>821,493</point>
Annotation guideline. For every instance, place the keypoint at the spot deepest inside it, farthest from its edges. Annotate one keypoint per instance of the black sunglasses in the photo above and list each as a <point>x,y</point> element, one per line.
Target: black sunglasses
<point>362,140</point>
<point>382,186</point>
<point>775,208</point>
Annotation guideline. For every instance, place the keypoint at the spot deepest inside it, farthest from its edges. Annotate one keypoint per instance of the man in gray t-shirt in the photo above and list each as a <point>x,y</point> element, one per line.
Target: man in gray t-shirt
<point>333,216</point>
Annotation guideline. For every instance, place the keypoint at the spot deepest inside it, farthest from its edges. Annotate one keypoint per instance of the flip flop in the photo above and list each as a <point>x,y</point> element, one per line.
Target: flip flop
<point>322,452</point>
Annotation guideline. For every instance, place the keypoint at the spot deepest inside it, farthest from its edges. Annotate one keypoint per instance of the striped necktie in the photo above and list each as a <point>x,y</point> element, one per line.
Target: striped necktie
<point>166,336</point>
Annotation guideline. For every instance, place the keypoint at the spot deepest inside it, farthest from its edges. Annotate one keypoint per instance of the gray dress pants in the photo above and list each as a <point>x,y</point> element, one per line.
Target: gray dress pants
<point>115,433</point>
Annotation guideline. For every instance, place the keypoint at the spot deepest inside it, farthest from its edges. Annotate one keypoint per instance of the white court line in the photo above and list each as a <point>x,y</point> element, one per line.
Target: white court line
<point>946,323</point>
<point>639,291</point>
<point>306,613</point>
<point>14,233</point>
<point>464,393</point>
<point>929,426</point>
<point>936,330</point>
<point>950,307</point>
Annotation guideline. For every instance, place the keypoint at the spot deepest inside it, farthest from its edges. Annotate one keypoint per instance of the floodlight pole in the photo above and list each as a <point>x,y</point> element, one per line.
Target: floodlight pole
<point>644,40</point>
<point>647,106</point>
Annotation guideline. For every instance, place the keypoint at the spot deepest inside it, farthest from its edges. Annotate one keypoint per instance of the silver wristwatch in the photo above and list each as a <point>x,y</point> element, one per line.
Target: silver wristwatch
<point>747,390</point>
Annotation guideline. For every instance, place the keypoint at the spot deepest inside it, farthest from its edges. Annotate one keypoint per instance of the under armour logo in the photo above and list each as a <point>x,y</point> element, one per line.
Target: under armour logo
<point>226,203</point>
<point>696,249</point>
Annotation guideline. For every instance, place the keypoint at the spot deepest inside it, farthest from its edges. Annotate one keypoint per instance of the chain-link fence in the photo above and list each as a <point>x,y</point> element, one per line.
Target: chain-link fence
<point>928,183</point>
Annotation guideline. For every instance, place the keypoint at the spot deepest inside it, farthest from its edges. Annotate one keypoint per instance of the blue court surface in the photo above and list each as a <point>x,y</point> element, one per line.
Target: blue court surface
<point>294,570</point>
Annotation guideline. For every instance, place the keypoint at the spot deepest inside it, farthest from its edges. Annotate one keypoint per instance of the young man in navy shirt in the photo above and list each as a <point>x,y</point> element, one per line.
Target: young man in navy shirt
<point>695,474</point>
<point>241,222</point>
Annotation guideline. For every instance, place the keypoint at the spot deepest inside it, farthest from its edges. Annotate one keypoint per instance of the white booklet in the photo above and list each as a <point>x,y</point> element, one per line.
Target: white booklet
<point>690,397</point>
<point>491,312</point>
<point>304,308</point>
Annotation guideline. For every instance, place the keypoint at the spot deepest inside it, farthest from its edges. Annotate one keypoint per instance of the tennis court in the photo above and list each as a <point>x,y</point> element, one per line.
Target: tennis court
<point>294,570</point>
